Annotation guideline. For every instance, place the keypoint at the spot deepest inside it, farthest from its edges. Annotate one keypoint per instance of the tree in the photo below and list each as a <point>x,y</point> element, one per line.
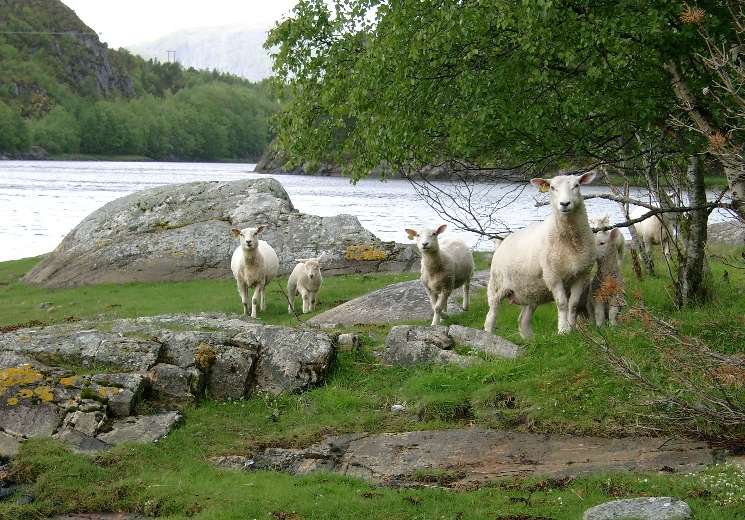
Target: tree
<point>497,85</point>
<point>57,132</point>
<point>13,130</point>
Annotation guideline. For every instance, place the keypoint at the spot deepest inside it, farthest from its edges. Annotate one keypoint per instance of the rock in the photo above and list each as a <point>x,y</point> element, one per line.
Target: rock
<point>80,442</point>
<point>482,341</point>
<point>646,508</point>
<point>730,233</point>
<point>9,445</point>
<point>182,232</point>
<point>7,492</point>
<point>349,341</point>
<point>87,423</point>
<point>229,375</point>
<point>411,345</point>
<point>131,385</point>
<point>398,408</point>
<point>482,455</point>
<point>141,428</point>
<point>404,301</point>
<point>173,383</point>
<point>289,359</point>
<point>29,419</point>
<point>24,499</point>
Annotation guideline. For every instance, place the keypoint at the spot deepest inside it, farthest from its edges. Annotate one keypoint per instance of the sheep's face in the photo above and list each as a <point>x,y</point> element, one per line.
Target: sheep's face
<point>427,238</point>
<point>604,241</point>
<point>564,191</point>
<point>312,269</point>
<point>248,237</point>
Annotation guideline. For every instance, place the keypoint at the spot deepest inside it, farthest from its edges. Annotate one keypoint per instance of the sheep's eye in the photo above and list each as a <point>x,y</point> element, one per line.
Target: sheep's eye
<point>434,234</point>
<point>576,186</point>
<point>553,189</point>
<point>602,243</point>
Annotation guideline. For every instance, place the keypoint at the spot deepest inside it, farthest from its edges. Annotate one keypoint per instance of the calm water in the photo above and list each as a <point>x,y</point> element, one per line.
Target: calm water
<point>41,201</point>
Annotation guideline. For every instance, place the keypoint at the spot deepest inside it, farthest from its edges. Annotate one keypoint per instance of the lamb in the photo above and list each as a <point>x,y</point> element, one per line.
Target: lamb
<point>618,240</point>
<point>539,263</point>
<point>446,265</point>
<point>305,280</point>
<point>606,290</point>
<point>254,265</point>
<point>653,230</point>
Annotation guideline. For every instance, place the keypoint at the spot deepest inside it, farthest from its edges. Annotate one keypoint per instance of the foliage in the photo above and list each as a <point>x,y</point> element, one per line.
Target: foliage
<point>13,130</point>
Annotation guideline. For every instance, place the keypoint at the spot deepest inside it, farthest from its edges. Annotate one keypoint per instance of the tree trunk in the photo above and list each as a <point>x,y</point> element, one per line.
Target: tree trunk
<point>692,278</point>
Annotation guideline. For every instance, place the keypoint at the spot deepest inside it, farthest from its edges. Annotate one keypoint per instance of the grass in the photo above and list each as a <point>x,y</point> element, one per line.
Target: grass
<point>558,386</point>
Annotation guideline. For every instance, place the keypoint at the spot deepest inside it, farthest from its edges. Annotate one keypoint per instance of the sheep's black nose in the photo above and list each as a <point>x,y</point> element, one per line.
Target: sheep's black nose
<point>564,204</point>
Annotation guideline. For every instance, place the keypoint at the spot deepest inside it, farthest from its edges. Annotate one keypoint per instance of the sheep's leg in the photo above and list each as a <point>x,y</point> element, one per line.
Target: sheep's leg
<point>613,315</point>
<point>466,294</point>
<point>243,293</point>
<point>562,305</point>
<point>263,300</point>
<point>494,296</point>
<point>525,322</point>
<point>312,301</point>
<point>255,299</point>
<point>306,300</point>
<point>442,301</point>
<point>575,295</point>
<point>599,313</point>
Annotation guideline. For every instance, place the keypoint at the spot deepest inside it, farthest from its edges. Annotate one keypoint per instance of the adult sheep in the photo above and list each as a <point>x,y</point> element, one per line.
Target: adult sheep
<point>254,265</point>
<point>446,265</point>
<point>654,230</point>
<point>551,260</point>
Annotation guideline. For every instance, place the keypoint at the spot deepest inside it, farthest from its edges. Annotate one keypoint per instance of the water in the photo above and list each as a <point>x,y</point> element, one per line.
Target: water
<point>41,201</point>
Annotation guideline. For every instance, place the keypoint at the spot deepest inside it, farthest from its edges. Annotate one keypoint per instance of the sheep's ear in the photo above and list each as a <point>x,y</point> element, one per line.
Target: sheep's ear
<point>587,178</point>
<point>412,234</point>
<point>542,184</point>
<point>614,233</point>
<point>441,229</point>
<point>260,228</point>
<point>236,232</point>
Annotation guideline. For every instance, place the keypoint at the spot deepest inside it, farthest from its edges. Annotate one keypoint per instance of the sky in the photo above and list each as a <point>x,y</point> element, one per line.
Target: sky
<point>126,22</point>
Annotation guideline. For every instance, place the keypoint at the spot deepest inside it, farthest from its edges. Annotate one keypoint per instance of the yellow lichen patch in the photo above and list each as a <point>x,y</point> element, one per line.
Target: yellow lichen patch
<point>25,393</point>
<point>108,391</point>
<point>12,401</point>
<point>22,375</point>
<point>69,381</point>
<point>365,253</point>
<point>204,356</point>
<point>44,393</point>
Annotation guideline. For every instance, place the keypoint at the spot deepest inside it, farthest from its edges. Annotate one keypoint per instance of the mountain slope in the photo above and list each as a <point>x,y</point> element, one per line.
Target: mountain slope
<point>235,49</point>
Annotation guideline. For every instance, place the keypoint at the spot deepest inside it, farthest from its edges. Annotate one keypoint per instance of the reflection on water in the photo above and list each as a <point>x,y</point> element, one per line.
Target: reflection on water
<point>41,201</point>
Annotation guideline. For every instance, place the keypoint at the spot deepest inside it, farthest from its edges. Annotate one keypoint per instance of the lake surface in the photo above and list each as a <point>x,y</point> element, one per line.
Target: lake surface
<point>41,201</point>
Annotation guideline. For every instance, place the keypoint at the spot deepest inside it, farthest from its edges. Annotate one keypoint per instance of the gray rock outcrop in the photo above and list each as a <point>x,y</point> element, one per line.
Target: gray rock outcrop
<point>476,455</point>
<point>182,232</point>
<point>730,233</point>
<point>411,345</point>
<point>404,301</point>
<point>165,360</point>
<point>645,508</point>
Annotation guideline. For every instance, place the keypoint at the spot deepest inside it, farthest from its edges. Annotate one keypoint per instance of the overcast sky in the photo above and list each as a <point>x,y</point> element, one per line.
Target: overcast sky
<point>126,22</point>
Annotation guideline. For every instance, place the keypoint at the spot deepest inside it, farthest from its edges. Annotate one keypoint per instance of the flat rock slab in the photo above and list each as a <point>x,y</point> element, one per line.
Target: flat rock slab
<point>645,508</point>
<point>182,232</point>
<point>398,302</point>
<point>478,455</point>
<point>143,428</point>
<point>412,345</point>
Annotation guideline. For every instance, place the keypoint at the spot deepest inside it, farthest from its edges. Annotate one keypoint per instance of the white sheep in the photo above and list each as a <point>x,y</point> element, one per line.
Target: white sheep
<point>541,262</point>
<point>446,265</point>
<point>254,265</point>
<point>618,239</point>
<point>606,290</point>
<point>306,281</point>
<point>654,230</point>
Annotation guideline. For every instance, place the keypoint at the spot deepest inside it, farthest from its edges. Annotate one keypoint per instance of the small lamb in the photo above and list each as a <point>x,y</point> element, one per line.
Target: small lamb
<point>446,265</point>
<point>618,239</point>
<point>606,290</point>
<point>254,265</point>
<point>306,281</point>
<point>551,260</point>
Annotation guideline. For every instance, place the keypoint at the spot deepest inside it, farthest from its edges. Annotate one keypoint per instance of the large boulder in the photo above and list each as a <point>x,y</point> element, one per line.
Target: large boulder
<point>181,232</point>
<point>168,361</point>
<point>645,508</point>
<point>404,301</point>
<point>731,233</point>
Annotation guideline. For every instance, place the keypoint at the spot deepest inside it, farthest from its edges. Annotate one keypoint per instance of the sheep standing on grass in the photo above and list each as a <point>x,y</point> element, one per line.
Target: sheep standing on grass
<point>446,265</point>
<point>305,280</point>
<point>654,230</point>
<point>549,260</point>
<point>254,265</point>
<point>606,290</point>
